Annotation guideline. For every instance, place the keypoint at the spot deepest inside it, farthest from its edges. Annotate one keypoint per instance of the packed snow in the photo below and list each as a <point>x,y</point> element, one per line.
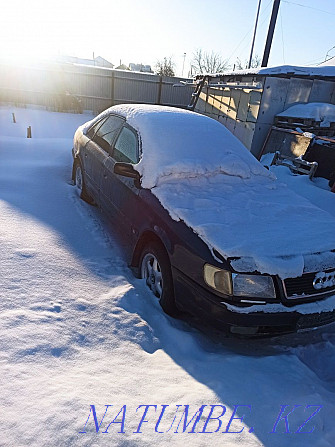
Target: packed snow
<point>77,330</point>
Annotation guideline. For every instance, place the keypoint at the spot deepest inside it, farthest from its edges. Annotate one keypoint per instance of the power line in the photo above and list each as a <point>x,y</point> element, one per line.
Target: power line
<point>282,35</point>
<point>234,51</point>
<point>325,61</point>
<point>309,7</point>
<point>329,52</point>
<point>259,27</point>
<point>319,60</point>
<point>248,32</point>
<point>314,62</point>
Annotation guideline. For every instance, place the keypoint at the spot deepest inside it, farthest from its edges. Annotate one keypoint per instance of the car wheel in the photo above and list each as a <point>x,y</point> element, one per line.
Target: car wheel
<point>156,270</point>
<point>79,182</point>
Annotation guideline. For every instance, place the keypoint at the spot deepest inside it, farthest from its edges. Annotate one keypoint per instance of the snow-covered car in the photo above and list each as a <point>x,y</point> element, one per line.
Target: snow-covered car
<point>210,229</point>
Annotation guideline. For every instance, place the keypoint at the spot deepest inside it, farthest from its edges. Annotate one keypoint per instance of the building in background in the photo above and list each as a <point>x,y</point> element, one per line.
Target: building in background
<point>140,67</point>
<point>96,62</point>
<point>247,101</point>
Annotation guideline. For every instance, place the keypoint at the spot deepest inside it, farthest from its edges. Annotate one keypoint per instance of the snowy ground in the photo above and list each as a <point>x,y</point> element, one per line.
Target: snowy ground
<point>76,329</point>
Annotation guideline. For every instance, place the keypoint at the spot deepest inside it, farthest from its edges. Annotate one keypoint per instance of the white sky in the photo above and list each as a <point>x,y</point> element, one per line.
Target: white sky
<point>143,31</point>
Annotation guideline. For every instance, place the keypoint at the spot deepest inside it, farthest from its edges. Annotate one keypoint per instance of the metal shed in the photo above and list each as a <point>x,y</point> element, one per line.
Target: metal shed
<point>247,101</point>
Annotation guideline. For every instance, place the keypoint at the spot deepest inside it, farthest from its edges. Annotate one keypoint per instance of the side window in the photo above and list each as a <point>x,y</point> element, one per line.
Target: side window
<point>93,129</point>
<point>126,147</point>
<point>106,133</point>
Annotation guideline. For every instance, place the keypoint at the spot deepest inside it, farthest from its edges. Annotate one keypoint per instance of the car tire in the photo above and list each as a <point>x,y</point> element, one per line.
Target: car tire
<point>79,182</point>
<point>155,268</point>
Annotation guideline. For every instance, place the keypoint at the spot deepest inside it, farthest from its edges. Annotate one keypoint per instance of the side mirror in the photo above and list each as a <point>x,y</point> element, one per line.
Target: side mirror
<point>127,170</point>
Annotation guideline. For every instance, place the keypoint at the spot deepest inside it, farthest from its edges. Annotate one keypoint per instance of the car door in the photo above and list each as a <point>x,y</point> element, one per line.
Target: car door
<point>86,153</point>
<point>120,194</point>
<point>98,149</point>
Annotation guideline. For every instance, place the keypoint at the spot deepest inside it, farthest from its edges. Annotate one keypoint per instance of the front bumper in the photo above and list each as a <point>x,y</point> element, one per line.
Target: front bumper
<point>254,320</point>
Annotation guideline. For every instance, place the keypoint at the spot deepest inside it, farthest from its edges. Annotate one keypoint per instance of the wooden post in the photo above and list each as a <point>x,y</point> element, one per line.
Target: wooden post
<point>253,39</point>
<point>272,25</point>
<point>160,90</point>
<point>113,89</point>
<point>13,115</point>
<point>29,132</point>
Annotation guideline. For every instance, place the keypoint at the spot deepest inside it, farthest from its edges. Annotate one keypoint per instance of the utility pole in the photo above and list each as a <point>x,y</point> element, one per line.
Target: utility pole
<point>269,38</point>
<point>253,39</point>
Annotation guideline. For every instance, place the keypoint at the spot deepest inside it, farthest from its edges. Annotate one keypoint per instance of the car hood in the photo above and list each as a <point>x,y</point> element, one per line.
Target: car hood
<point>258,221</point>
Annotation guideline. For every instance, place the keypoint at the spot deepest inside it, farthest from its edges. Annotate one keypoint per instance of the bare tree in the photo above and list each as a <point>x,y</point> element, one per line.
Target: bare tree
<point>255,62</point>
<point>204,62</point>
<point>165,67</point>
<point>238,64</point>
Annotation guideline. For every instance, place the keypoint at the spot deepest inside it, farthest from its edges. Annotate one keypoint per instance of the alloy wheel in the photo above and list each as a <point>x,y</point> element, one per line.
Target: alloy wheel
<point>151,272</point>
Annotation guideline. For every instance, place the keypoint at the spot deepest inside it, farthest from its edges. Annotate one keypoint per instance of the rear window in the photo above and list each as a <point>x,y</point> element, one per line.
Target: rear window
<point>126,147</point>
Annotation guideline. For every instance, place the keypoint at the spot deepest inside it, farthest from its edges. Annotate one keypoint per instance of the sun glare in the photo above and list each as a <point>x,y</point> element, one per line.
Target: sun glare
<point>38,29</point>
<point>116,29</point>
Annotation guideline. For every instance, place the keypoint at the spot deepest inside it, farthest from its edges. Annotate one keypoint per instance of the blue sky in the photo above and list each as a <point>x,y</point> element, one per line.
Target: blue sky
<point>147,30</point>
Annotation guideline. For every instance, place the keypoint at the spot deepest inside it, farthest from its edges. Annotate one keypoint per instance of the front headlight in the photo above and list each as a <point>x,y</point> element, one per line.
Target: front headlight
<point>253,286</point>
<point>219,279</point>
<point>238,284</point>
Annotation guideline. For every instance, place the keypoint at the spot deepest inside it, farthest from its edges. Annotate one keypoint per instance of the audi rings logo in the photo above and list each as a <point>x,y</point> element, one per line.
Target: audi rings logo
<point>324,280</point>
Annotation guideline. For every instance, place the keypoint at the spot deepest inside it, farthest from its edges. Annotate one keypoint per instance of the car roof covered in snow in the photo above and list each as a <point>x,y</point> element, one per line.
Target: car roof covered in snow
<point>180,143</point>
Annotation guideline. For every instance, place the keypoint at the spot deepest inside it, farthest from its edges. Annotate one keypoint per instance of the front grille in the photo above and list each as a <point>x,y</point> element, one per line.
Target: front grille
<point>303,286</point>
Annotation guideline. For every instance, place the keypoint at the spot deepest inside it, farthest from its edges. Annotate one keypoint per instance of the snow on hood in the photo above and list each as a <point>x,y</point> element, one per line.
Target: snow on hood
<point>263,223</point>
<point>180,143</point>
